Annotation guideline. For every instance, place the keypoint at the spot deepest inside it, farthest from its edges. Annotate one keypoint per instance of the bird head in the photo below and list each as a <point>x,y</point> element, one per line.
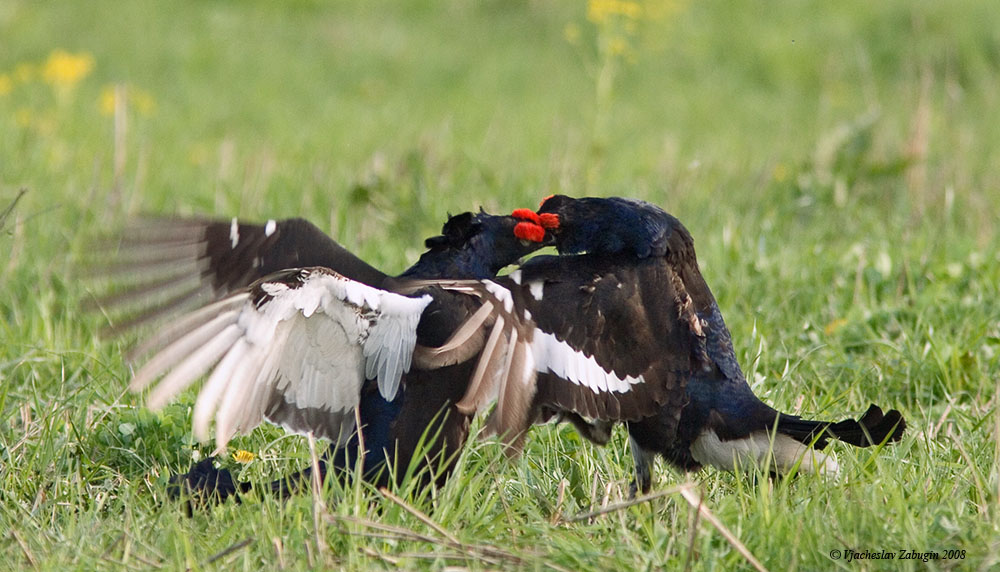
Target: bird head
<point>541,227</point>
<point>473,245</point>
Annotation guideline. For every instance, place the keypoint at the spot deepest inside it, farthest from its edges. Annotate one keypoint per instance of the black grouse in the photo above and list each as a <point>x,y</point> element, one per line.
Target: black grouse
<point>303,333</point>
<point>621,327</point>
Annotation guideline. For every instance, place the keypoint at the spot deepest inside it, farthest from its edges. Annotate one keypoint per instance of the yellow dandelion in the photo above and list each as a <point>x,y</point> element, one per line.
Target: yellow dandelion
<point>833,326</point>
<point>618,46</point>
<point>601,11</point>
<point>243,457</point>
<point>64,70</point>
<point>6,84</point>
<point>106,101</point>
<point>631,10</point>
<point>598,11</point>
<point>780,173</point>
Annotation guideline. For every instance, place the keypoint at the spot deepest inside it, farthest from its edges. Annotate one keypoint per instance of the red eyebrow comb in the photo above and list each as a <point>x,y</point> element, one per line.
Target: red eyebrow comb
<point>545,220</point>
<point>526,215</point>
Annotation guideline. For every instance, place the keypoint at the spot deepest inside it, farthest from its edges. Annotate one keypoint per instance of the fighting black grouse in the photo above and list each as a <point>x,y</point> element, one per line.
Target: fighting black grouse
<point>621,327</point>
<point>302,333</point>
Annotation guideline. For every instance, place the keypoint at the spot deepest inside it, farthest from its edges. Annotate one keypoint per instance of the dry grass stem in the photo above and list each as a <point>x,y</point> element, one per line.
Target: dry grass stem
<point>694,500</point>
<point>624,505</point>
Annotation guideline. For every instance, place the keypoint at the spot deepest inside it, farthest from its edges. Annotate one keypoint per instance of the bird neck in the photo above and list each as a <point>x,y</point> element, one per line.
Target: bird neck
<point>474,261</point>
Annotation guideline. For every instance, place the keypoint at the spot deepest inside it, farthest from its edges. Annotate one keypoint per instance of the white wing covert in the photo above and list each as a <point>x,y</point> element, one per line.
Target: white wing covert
<point>506,369</point>
<point>295,349</point>
<point>538,352</point>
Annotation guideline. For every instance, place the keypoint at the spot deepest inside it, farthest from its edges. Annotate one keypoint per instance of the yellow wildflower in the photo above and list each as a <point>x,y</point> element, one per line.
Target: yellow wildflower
<point>243,457</point>
<point>600,11</point>
<point>106,101</point>
<point>5,84</point>
<point>780,173</point>
<point>631,10</point>
<point>618,46</point>
<point>834,325</point>
<point>64,70</point>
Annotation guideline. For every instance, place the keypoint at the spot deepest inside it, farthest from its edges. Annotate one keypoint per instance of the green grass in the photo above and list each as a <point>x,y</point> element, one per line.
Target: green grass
<point>836,163</point>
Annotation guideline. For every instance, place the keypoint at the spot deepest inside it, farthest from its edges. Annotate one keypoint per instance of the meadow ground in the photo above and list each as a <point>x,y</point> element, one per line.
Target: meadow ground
<point>837,164</point>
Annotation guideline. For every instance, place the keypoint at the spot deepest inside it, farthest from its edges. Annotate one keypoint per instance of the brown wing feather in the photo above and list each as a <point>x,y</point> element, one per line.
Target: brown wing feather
<point>633,319</point>
<point>162,267</point>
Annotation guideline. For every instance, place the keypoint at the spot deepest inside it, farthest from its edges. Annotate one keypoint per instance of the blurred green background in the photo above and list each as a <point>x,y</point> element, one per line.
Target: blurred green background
<point>403,111</point>
<point>837,164</point>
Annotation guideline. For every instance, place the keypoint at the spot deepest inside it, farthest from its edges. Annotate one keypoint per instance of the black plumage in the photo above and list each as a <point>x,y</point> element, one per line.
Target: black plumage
<point>632,235</point>
<point>190,262</point>
<point>622,327</point>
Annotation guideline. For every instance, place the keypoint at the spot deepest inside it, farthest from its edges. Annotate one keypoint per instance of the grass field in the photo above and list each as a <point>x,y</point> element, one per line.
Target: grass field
<point>837,163</point>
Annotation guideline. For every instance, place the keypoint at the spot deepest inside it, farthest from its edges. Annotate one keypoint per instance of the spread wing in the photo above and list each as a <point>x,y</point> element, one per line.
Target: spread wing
<point>294,348</point>
<point>586,334</point>
<point>166,266</point>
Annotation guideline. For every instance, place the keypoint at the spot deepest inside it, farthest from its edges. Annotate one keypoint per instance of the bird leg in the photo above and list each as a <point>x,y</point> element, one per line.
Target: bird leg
<point>643,481</point>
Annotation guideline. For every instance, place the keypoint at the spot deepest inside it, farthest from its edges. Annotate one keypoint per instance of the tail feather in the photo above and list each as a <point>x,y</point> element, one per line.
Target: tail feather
<point>872,428</point>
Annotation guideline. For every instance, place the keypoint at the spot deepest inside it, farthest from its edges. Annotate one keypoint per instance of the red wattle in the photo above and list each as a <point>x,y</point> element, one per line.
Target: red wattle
<point>529,231</point>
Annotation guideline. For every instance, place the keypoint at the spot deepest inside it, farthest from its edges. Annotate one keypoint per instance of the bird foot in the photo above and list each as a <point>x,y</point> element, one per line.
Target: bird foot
<point>204,484</point>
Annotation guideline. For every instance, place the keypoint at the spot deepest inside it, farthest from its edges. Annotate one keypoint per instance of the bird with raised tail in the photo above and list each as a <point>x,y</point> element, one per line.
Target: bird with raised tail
<point>621,327</point>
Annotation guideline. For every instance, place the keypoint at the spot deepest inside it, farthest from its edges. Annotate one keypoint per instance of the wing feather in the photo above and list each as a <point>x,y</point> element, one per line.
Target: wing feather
<point>183,325</point>
<point>386,358</point>
<point>181,348</point>
<point>160,267</point>
<point>215,387</point>
<point>194,366</point>
<point>481,386</point>
<point>466,341</point>
<point>607,341</point>
<point>293,349</point>
<point>227,415</point>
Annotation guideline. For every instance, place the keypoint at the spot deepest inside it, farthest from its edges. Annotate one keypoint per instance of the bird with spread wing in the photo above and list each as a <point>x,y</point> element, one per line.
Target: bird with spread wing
<point>299,332</point>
